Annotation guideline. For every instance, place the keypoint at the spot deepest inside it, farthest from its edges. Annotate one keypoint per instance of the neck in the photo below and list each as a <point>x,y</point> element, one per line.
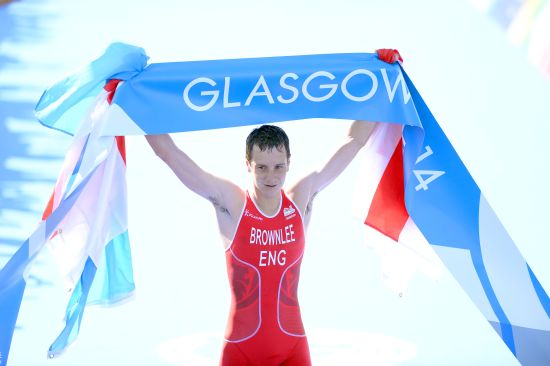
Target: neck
<point>269,205</point>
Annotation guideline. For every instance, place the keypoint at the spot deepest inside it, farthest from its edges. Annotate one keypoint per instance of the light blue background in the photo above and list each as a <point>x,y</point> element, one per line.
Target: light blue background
<point>492,104</point>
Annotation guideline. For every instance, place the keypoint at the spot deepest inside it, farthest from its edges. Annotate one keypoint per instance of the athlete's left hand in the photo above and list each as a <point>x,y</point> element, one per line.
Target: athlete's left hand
<point>110,87</point>
<point>389,55</point>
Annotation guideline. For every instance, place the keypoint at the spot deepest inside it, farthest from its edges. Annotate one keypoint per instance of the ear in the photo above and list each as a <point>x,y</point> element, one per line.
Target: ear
<point>248,166</point>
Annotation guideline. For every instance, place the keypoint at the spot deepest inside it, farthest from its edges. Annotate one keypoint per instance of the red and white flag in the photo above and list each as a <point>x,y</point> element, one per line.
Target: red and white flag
<point>380,203</point>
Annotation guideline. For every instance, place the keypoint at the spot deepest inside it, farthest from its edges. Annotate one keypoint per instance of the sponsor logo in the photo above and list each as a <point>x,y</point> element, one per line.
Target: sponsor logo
<point>249,214</point>
<point>288,211</point>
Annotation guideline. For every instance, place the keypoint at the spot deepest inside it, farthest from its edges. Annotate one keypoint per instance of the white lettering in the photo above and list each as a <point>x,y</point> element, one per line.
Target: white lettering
<point>432,175</point>
<point>272,258</point>
<point>252,235</point>
<point>391,91</point>
<point>258,236</point>
<point>425,155</point>
<point>226,102</point>
<point>255,93</point>
<point>263,257</point>
<point>291,91</point>
<point>281,257</point>
<point>365,97</point>
<point>278,236</point>
<point>272,237</point>
<point>332,87</point>
<point>283,238</point>
<point>289,233</point>
<point>214,93</point>
<point>284,85</point>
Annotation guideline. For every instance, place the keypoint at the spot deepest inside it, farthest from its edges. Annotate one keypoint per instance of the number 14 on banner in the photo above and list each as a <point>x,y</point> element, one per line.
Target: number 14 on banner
<point>430,174</point>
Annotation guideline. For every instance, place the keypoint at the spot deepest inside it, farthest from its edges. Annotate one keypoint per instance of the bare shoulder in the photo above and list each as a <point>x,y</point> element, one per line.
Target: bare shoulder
<point>230,198</point>
<point>229,205</point>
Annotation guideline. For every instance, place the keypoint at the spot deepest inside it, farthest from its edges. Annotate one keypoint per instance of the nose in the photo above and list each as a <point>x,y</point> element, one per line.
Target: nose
<point>272,176</point>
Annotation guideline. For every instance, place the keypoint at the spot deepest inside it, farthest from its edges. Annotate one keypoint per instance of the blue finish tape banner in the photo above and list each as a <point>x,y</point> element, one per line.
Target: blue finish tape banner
<point>186,96</point>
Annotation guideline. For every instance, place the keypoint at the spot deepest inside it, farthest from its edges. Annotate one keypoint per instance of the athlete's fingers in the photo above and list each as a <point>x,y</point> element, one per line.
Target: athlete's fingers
<point>389,55</point>
<point>110,87</point>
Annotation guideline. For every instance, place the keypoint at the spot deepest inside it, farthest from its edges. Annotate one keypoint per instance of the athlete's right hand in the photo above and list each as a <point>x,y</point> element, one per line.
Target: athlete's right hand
<point>389,55</point>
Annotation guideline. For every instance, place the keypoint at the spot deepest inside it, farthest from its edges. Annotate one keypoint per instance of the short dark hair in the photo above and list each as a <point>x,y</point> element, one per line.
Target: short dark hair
<point>267,137</point>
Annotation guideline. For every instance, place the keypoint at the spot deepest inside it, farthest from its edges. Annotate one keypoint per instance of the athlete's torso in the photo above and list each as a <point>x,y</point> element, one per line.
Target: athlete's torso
<point>263,263</point>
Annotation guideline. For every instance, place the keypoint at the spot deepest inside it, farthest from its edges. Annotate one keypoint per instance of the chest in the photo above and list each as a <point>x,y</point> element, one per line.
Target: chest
<point>269,243</point>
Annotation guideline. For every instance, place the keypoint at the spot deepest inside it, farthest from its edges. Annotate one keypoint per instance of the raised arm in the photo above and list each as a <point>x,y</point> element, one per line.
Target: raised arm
<point>226,197</point>
<point>307,188</point>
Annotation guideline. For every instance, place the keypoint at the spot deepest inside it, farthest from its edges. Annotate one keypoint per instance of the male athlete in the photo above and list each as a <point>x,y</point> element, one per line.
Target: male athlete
<point>263,230</point>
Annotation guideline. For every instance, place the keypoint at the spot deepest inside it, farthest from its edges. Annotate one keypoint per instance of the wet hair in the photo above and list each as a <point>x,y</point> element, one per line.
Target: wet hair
<point>267,137</point>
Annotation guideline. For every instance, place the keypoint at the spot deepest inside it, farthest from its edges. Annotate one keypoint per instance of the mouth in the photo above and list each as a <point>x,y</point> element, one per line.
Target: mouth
<point>270,185</point>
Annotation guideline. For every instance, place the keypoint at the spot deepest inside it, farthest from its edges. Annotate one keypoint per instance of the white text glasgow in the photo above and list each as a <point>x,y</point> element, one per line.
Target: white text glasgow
<point>290,82</point>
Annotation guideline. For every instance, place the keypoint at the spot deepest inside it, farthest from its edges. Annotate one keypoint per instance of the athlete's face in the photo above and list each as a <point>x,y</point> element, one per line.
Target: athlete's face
<point>268,169</point>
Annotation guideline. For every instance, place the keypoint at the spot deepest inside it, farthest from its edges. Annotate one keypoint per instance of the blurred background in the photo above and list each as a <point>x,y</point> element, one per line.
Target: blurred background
<point>483,67</point>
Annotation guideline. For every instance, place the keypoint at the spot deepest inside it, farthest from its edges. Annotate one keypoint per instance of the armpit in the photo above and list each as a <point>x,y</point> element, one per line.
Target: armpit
<point>309,206</point>
<point>218,206</point>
